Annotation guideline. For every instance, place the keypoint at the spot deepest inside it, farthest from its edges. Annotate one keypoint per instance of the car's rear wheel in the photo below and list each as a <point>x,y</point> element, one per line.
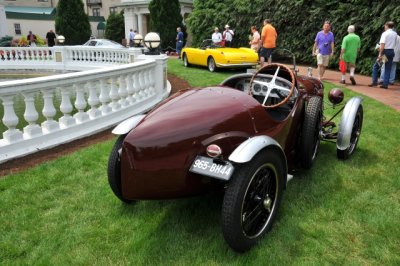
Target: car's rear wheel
<point>211,64</point>
<point>310,137</point>
<point>252,200</point>
<point>114,169</point>
<point>185,61</point>
<point>355,136</point>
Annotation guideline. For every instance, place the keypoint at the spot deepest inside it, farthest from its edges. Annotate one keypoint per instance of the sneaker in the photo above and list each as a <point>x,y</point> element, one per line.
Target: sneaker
<point>373,85</point>
<point>383,87</point>
<point>353,81</point>
<point>343,82</point>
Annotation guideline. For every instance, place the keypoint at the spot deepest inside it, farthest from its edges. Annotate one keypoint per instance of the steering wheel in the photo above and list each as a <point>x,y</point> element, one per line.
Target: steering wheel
<point>272,84</point>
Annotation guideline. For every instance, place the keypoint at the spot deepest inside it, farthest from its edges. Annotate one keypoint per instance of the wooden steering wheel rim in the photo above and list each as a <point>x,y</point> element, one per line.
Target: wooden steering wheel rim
<point>293,81</point>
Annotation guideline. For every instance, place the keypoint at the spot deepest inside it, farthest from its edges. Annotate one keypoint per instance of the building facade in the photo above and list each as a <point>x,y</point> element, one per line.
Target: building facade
<point>38,15</point>
<point>137,14</point>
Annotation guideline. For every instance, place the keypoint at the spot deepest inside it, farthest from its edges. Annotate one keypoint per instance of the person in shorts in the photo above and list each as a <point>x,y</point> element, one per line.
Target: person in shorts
<point>268,42</point>
<point>323,48</point>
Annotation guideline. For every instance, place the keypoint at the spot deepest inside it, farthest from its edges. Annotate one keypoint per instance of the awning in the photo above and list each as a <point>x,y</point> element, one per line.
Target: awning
<point>101,25</point>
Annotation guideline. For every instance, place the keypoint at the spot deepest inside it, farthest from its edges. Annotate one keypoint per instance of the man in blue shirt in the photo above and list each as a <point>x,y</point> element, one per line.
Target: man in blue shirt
<point>179,42</point>
<point>325,43</point>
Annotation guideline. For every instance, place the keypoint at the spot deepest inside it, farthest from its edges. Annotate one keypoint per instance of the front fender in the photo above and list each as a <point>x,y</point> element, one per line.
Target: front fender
<point>246,151</point>
<point>127,125</point>
<point>346,123</point>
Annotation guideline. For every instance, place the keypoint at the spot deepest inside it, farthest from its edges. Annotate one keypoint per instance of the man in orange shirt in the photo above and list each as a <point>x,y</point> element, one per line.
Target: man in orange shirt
<point>268,42</point>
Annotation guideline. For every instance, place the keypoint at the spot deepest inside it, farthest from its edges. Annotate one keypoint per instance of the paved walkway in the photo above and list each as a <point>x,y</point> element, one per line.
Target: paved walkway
<point>390,96</point>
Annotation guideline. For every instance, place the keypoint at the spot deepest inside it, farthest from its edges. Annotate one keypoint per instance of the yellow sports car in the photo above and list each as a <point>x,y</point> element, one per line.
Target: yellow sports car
<point>214,56</point>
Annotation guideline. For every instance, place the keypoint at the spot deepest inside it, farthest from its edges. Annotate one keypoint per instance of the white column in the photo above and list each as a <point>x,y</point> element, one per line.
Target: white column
<point>129,20</point>
<point>140,25</point>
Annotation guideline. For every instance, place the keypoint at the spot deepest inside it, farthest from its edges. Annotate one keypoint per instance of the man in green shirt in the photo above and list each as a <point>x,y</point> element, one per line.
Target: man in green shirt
<point>350,48</point>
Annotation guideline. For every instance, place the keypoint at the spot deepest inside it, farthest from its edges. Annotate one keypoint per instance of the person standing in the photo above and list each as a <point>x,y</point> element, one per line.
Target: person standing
<point>31,39</point>
<point>131,38</point>
<point>179,42</point>
<point>216,37</point>
<point>396,59</point>
<point>228,36</point>
<point>268,42</point>
<point>325,43</point>
<point>255,41</point>
<point>350,48</point>
<point>51,38</point>
<point>386,47</point>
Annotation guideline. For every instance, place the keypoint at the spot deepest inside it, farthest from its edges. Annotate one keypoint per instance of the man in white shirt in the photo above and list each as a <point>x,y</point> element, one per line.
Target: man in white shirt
<point>216,36</point>
<point>387,44</point>
<point>396,59</point>
<point>228,36</point>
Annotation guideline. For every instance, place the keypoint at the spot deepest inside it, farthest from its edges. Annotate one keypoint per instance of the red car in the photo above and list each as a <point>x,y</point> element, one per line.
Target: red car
<point>245,136</point>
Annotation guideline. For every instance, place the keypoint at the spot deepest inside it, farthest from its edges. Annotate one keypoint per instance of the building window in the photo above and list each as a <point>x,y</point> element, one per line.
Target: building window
<point>96,12</point>
<point>113,10</point>
<point>17,28</point>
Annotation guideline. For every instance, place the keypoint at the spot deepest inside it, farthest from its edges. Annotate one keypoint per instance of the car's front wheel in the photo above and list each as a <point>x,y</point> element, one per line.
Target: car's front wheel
<point>185,61</point>
<point>252,200</point>
<point>211,64</point>
<point>310,136</point>
<point>114,169</point>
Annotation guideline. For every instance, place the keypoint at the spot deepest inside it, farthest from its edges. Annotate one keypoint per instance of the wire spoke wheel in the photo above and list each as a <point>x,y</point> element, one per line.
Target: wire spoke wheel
<point>252,199</point>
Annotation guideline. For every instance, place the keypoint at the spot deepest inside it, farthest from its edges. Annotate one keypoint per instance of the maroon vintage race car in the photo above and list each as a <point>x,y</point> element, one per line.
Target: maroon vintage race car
<point>245,136</point>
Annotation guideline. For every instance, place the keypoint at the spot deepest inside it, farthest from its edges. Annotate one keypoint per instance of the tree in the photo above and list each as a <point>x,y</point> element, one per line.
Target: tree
<point>165,17</point>
<point>72,22</point>
<point>115,27</point>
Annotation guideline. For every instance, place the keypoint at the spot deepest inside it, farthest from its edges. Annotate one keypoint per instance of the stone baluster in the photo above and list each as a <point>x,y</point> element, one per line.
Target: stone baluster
<point>135,83</point>
<point>152,82</point>
<point>10,120</point>
<point>104,97</point>
<point>114,95</point>
<point>31,116</point>
<point>142,84</point>
<point>130,88</point>
<point>122,91</point>
<point>66,108</point>
<point>80,104</point>
<point>93,100</point>
<point>49,112</point>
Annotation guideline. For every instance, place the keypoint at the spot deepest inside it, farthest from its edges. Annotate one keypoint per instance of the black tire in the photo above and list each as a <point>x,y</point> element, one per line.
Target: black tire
<point>355,136</point>
<point>310,136</point>
<point>211,64</point>
<point>114,170</point>
<point>255,186</point>
<point>185,60</point>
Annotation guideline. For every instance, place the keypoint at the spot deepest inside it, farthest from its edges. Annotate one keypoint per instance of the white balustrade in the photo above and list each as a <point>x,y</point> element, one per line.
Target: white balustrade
<point>74,104</point>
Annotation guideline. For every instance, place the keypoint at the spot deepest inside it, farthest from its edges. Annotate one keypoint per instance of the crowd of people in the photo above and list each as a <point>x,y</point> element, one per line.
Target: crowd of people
<point>324,48</point>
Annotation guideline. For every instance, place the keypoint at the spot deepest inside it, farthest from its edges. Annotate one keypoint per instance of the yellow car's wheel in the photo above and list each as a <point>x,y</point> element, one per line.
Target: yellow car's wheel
<point>185,61</point>
<point>211,64</point>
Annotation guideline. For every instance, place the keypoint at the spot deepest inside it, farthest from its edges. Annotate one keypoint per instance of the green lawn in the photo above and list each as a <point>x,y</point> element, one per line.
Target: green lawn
<point>339,212</point>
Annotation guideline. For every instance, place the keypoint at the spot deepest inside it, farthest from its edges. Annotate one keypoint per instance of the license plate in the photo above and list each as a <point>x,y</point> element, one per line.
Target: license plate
<point>207,166</point>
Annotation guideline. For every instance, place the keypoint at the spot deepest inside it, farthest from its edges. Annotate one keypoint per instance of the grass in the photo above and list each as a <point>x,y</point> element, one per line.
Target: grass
<point>339,212</point>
